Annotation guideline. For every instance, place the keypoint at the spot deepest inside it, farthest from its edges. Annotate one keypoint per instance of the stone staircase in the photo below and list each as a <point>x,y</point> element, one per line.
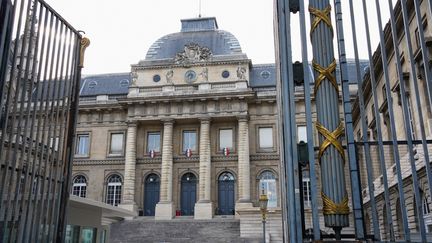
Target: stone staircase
<point>182,229</point>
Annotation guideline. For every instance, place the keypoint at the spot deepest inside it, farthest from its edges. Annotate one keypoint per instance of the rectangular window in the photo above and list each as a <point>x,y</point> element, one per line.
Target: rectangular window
<point>83,145</point>
<point>225,139</point>
<point>54,144</point>
<point>301,134</point>
<point>266,137</point>
<point>307,198</point>
<point>189,140</point>
<point>384,93</point>
<point>116,147</point>
<point>153,141</point>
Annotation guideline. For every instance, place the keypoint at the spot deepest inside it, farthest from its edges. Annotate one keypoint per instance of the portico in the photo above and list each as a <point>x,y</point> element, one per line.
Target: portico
<point>200,162</point>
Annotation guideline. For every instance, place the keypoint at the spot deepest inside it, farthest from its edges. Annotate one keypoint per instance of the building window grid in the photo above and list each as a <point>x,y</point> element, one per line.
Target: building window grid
<point>83,144</point>
<point>114,188</point>
<point>116,144</point>
<point>226,138</point>
<point>79,187</point>
<point>189,140</point>
<point>301,134</point>
<point>265,137</point>
<point>307,197</point>
<point>426,205</point>
<point>153,141</point>
<point>268,185</point>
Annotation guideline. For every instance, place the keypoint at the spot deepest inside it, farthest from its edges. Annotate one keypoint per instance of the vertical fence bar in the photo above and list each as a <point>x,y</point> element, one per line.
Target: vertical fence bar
<point>406,117</point>
<point>356,196</point>
<point>405,19</point>
<point>31,106</point>
<point>424,51</point>
<point>22,167</point>
<point>378,126</point>
<point>309,131</point>
<point>364,128</point>
<point>287,125</point>
<point>81,45</point>
<point>395,148</point>
<point>60,160</point>
<point>331,153</point>
<point>35,102</point>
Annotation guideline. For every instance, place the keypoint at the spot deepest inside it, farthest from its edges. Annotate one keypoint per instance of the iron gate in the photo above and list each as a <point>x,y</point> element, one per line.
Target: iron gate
<point>39,83</point>
<point>367,115</point>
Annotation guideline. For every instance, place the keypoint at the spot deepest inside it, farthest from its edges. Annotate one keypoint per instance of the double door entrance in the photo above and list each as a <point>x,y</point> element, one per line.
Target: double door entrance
<point>151,194</point>
<point>226,194</point>
<point>188,194</point>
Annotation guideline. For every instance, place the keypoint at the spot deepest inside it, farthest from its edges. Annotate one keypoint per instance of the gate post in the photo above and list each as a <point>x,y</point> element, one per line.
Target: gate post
<point>330,128</point>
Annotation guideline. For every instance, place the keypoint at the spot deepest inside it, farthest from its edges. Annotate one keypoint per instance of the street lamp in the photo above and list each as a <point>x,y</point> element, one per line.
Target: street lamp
<point>263,200</point>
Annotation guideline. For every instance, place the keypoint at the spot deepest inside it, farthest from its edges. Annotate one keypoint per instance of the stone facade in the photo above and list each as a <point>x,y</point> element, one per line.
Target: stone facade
<point>384,124</point>
<point>214,95</point>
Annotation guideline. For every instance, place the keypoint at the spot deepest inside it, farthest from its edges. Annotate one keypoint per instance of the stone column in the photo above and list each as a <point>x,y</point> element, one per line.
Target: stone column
<point>129,169</point>
<point>204,207</point>
<point>165,207</point>
<point>243,164</point>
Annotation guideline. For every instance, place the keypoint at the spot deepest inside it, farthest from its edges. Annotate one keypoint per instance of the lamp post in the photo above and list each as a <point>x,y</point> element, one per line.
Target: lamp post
<point>263,200</point>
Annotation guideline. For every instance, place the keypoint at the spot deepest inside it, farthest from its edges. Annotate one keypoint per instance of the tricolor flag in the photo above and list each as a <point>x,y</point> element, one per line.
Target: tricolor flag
<point>226,151</point>
<point>152,153</point>
<point>188,152</point>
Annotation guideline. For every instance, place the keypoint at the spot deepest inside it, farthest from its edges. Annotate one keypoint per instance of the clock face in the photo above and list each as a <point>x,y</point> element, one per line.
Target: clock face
<point>190,76</point>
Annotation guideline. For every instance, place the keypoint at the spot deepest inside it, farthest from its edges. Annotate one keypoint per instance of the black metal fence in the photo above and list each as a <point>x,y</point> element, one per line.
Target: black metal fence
<point>39,82</point>
<point>365,101</point>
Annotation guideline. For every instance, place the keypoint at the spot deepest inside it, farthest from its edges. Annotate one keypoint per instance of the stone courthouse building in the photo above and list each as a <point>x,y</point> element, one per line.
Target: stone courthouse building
<point>190,131</point>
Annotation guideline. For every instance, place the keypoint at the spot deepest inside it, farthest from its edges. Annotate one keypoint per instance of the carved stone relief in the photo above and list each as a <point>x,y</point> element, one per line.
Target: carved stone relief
<point>193,53</point>
<point>241,73</point>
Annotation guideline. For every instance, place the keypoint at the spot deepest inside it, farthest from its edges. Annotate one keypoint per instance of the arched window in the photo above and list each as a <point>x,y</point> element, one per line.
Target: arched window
<point>425,203</point>
<point>268,184</point>
<point>427,214</point>
<point>114,187</point>
<point>79,187</point>
<point>226,176</point>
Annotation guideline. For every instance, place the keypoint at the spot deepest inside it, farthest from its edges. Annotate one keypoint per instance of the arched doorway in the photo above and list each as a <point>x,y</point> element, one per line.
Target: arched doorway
<point>151,194</point>
<point>188,194</point>
<point>226,194</point>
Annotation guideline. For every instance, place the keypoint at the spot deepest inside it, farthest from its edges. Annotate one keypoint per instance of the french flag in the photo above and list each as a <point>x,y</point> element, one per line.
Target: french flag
<point>152,153</point>
<point>188,152</point>
<point>226,151</point>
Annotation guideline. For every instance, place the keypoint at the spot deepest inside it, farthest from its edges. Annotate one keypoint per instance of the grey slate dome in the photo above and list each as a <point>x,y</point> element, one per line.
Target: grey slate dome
<point>202,31</point>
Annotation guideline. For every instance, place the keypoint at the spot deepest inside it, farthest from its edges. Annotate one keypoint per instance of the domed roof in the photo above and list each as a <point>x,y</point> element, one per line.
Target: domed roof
<point>202,31</point>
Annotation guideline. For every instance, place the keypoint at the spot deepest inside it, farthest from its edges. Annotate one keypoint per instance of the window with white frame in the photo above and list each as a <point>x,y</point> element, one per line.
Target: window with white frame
<point>225,139</point>
<point>426,206</point>
<point>189,140</point>
<point>266,137</point>
<point>79,187</point>
<point>301,134</point>
<point>83,145</point>
<point>267,184</point>
<point>114,187</point>
<point>307,198</point>
<point>153,141</point>
<point>54,144</point>
<point>116,144</point>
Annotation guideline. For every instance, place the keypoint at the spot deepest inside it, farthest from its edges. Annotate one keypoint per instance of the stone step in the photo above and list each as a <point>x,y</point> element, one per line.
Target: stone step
<point>180,229</point>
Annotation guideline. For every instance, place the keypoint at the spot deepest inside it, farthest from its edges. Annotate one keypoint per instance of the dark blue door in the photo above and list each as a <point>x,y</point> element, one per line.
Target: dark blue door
<point>188,194</point>
<point>226,194</point>
<point>151,194</point>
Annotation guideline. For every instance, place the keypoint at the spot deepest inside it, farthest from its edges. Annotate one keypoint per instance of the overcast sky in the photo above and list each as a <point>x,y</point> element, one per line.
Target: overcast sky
<point>122,31</point>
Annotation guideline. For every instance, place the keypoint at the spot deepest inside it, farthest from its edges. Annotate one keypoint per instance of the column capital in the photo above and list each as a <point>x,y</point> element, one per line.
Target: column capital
<point>167,121</point>
<point>205,119</point>
<point>131,123</point>
<point>243,118</point>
